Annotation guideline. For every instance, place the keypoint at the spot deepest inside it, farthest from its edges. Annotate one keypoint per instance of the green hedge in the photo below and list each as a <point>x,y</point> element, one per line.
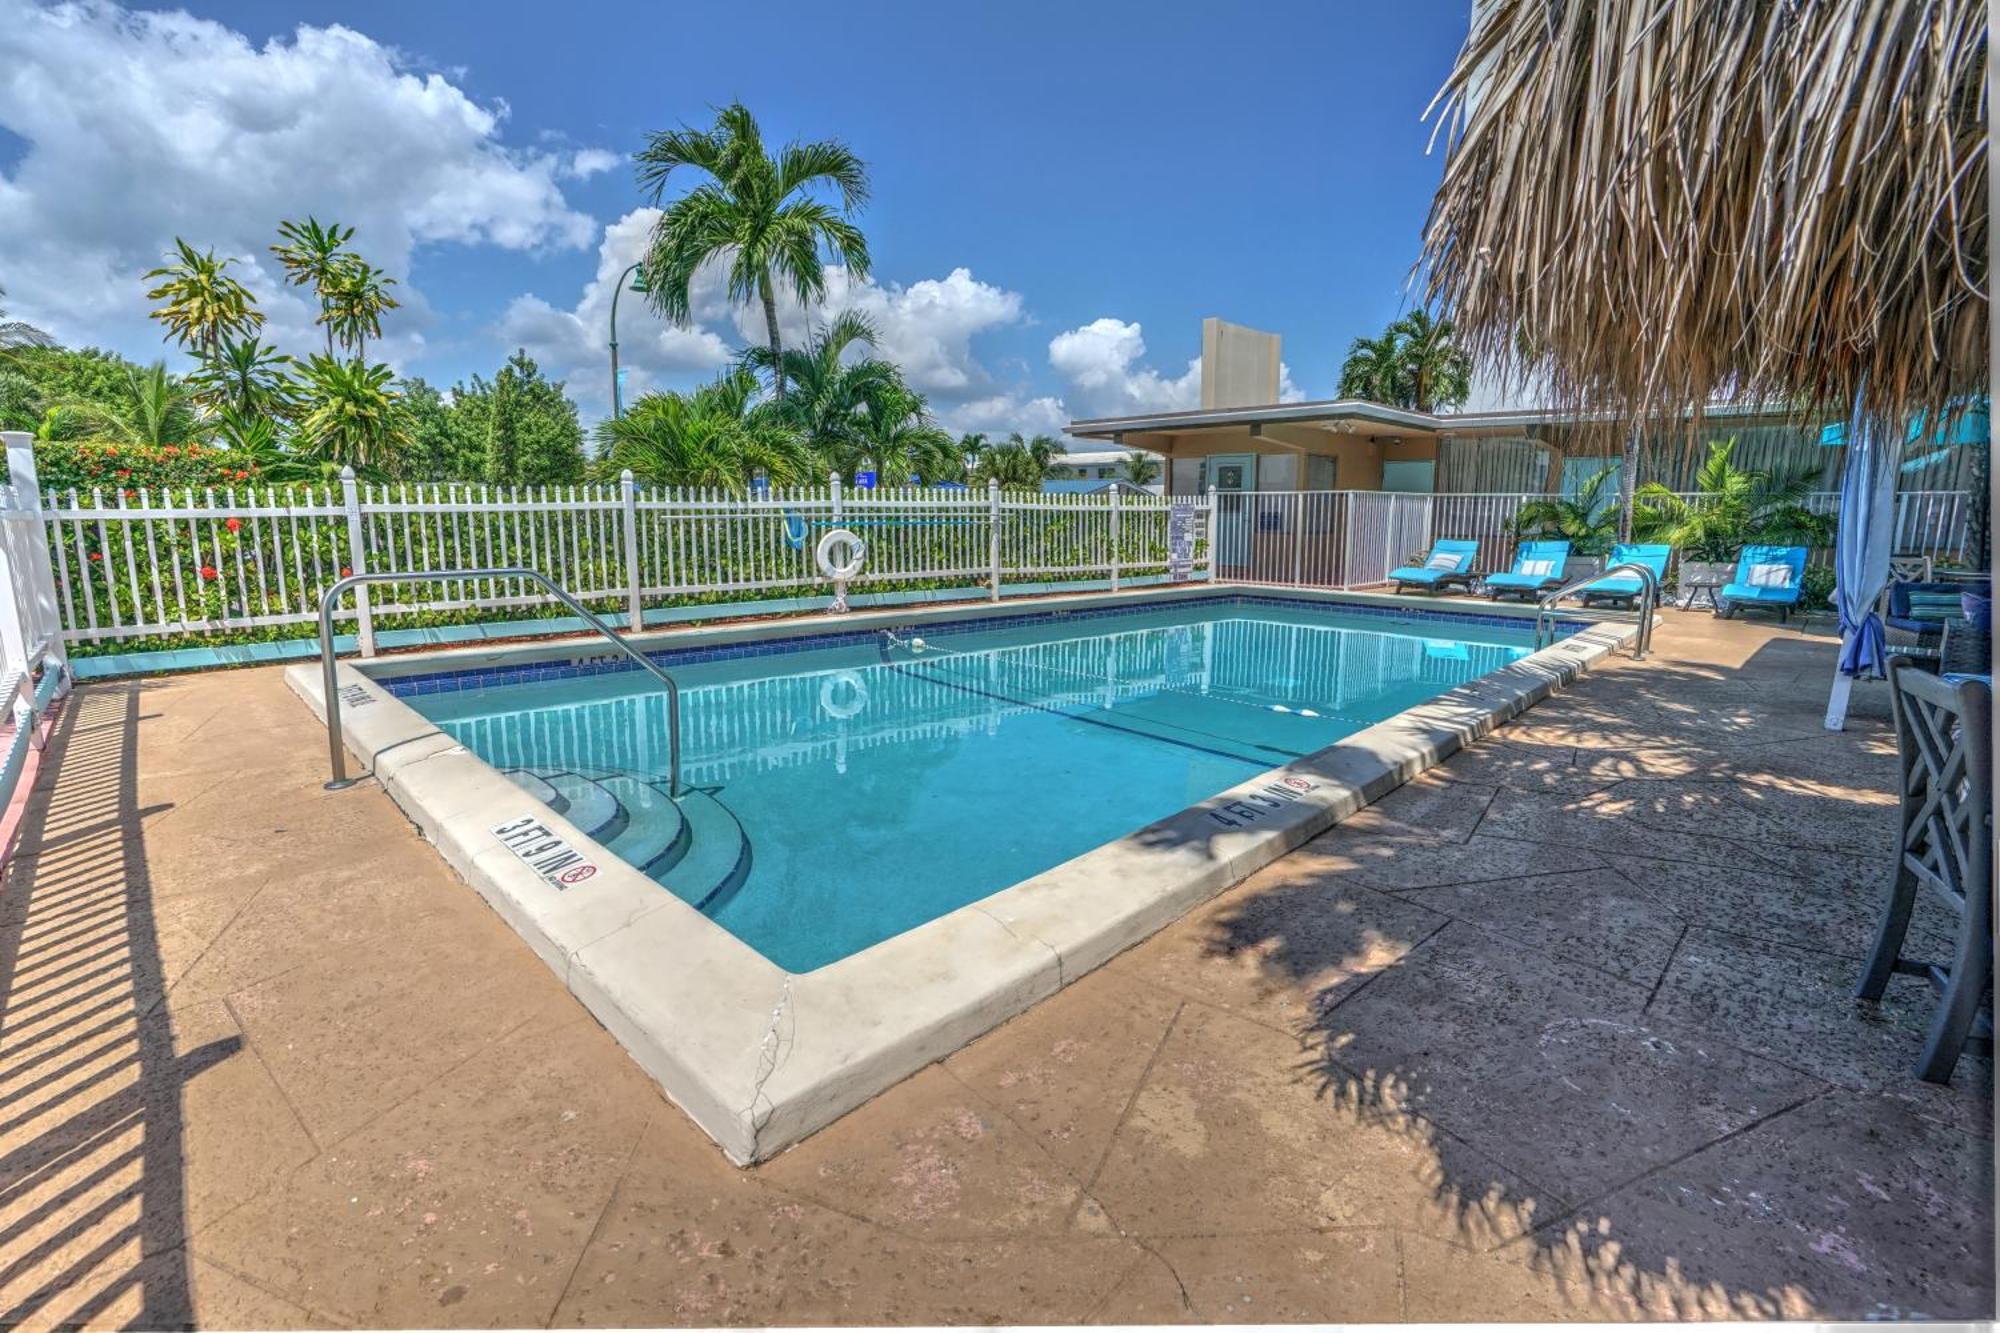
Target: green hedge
<point>86,465</point>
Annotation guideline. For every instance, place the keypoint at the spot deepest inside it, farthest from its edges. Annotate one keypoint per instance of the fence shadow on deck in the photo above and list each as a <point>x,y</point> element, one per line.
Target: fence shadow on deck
<point>92,1171</point>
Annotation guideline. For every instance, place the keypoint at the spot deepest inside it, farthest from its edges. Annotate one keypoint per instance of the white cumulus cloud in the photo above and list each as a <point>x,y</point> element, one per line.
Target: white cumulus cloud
<point>1100,362</point>
<point>572,344</point>
<point>928,327</point>
<point>143,126</point>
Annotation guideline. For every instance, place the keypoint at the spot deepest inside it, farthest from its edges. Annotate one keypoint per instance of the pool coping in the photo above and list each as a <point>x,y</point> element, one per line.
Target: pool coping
<point>759,1057</point>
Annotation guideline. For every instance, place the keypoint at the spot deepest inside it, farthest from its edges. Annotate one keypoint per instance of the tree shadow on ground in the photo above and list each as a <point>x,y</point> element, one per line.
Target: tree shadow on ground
<point>92,1172</point>
<point>1622,1164</point>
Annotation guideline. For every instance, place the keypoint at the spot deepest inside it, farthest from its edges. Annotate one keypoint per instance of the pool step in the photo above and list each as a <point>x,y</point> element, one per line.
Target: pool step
<point>588,805</point>
<point>694,847</point>
<point>656,832</point>
<point>717,860</point>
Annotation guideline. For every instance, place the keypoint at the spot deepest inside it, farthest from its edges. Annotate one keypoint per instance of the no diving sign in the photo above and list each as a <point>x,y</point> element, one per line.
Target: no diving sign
<point>560,865</point>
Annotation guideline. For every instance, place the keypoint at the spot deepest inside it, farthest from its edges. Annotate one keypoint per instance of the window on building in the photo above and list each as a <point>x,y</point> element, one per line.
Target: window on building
<point>1417,476</point>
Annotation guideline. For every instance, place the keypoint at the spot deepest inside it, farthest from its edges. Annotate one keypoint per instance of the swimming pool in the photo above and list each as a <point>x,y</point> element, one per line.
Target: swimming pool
<point>847,791</point>
<point>884,847</point>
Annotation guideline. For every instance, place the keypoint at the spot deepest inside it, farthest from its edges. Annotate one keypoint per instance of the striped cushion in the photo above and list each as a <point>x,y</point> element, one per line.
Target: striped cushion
<point>1938,606</point>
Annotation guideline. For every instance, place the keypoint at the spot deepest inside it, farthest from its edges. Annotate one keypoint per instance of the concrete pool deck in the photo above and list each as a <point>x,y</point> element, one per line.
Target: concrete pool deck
<point>1560,1029</point>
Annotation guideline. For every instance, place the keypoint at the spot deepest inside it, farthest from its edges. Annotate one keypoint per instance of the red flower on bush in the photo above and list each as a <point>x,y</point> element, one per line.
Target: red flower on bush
<point>345,571</point>
<point>96,555</point>
<point>233,524</point>
<point>124,472</point>
<point>170,452</point>
<point>208,573</point>
<point>243,476</point>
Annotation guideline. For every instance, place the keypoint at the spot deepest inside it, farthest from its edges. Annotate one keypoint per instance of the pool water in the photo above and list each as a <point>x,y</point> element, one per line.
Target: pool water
<point>842,795</point>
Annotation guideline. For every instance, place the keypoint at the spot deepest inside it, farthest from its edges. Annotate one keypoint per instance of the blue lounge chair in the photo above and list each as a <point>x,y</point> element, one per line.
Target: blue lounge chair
<point>1766,576</point>
<point>1624,589</point>
<point>1538,568</point>
<point>1448,563</point>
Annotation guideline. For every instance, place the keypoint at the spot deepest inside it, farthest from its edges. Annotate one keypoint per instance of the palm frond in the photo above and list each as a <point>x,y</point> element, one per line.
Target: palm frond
<point>1664,203</point>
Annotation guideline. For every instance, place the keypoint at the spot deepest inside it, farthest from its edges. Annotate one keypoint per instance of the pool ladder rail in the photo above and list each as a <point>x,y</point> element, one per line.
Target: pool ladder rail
<point>1649,602</point>
<point>337,751</point>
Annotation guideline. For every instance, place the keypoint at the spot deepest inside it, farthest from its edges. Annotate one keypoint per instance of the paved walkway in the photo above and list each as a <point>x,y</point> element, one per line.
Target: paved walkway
<point>1560,1030</point>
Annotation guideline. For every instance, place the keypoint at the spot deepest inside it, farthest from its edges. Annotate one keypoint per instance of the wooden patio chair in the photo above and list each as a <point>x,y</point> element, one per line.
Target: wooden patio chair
<point>1944,740</point>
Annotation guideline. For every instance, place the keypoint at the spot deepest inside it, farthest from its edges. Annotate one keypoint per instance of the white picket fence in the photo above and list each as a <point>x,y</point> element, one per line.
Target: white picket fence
<point>139,564</point>
<point>34,666</point>
<point>119,565</point>
<point>1352,539</point>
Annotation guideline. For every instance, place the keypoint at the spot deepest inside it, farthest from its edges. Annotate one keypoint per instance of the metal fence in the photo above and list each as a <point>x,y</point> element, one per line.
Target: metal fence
<point>1352,539</point>
<point>137,563</point>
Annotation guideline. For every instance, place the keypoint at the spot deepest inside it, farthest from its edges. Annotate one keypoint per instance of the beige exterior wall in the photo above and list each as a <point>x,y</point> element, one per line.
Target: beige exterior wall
<point>1239,366</point>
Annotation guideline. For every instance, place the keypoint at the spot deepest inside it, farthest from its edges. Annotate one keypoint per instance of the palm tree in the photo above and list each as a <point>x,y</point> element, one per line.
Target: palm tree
<point>1141,468</point>
<point>717,436</point>
<point>353,302</point>
<point>247,377</point>
<point>1043,450</point>
<point>758,211</point>
<point>204,304</point>
<point>970,446</point>
<point>313,255</point>
<point>1018,464</point>
<point>1587,519</point>
<point>1374,370</point>
<point>18,333</point>
<point>353,415</point>
<point>898,439</point>
<point>256,444</point>
<point>1733,507</point>
<point>162,411</point>
<point>1434,370</point>
<point>829,392</point>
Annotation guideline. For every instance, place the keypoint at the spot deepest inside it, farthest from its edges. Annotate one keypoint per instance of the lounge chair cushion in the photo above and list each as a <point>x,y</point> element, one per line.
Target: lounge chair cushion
<point>1444,562</point>
<point>1537,569</point>
<point>1770,576</point>
<point>1770,596</point>
<point>1935,606</point>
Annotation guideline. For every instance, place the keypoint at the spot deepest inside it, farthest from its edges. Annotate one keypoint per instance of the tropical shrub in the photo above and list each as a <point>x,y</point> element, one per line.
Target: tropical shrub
<point>1733,507</point>
<point>113,467</point>
<point>1587,519</point>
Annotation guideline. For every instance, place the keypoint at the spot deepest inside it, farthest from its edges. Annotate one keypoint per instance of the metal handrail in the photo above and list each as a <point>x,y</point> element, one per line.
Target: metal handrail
<point>1649,603</point>
<point>327,657</point>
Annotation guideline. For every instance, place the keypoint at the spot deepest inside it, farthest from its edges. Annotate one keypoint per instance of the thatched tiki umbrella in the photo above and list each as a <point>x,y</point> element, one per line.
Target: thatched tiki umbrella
<point>1650,204</point>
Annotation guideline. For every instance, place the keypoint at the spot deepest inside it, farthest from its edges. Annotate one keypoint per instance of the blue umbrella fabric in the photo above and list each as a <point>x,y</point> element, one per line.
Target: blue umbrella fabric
<point>1861,556</point>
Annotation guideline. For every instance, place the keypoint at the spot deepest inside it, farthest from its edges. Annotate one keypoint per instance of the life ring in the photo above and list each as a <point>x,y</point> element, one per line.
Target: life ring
<point>823,554</point>
<point>830,702</point>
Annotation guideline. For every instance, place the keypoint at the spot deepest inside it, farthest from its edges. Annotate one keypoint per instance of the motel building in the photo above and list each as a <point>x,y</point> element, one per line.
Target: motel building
<point>1243,439</point>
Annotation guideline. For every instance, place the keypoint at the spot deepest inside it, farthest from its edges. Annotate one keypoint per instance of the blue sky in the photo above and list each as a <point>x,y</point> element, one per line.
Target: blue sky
<point>1062,191</point>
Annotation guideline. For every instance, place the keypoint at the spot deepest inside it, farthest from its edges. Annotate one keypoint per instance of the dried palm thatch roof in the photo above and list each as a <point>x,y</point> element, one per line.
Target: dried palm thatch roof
<point>1653,203</point>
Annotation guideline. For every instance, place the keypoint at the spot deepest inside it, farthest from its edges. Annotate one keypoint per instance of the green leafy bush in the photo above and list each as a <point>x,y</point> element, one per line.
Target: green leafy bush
<point>88,465</point>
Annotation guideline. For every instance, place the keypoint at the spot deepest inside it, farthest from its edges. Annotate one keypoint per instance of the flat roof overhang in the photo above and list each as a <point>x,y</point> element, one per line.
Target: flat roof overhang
<point>1360,415</point>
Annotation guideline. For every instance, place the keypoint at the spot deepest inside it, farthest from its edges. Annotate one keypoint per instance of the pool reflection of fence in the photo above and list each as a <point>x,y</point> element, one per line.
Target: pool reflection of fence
<point>824,715</point>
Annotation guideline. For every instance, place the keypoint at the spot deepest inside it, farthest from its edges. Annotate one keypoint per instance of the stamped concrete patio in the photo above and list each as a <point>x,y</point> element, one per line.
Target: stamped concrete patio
<point>1561,1030</point>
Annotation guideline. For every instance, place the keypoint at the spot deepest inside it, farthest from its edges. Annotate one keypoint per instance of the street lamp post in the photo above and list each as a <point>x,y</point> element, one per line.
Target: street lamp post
<point>638,285</point>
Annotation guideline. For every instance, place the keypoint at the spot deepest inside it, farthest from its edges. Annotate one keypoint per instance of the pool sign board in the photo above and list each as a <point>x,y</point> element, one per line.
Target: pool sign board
<point>545,852</point>
<point>1180,542</point>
